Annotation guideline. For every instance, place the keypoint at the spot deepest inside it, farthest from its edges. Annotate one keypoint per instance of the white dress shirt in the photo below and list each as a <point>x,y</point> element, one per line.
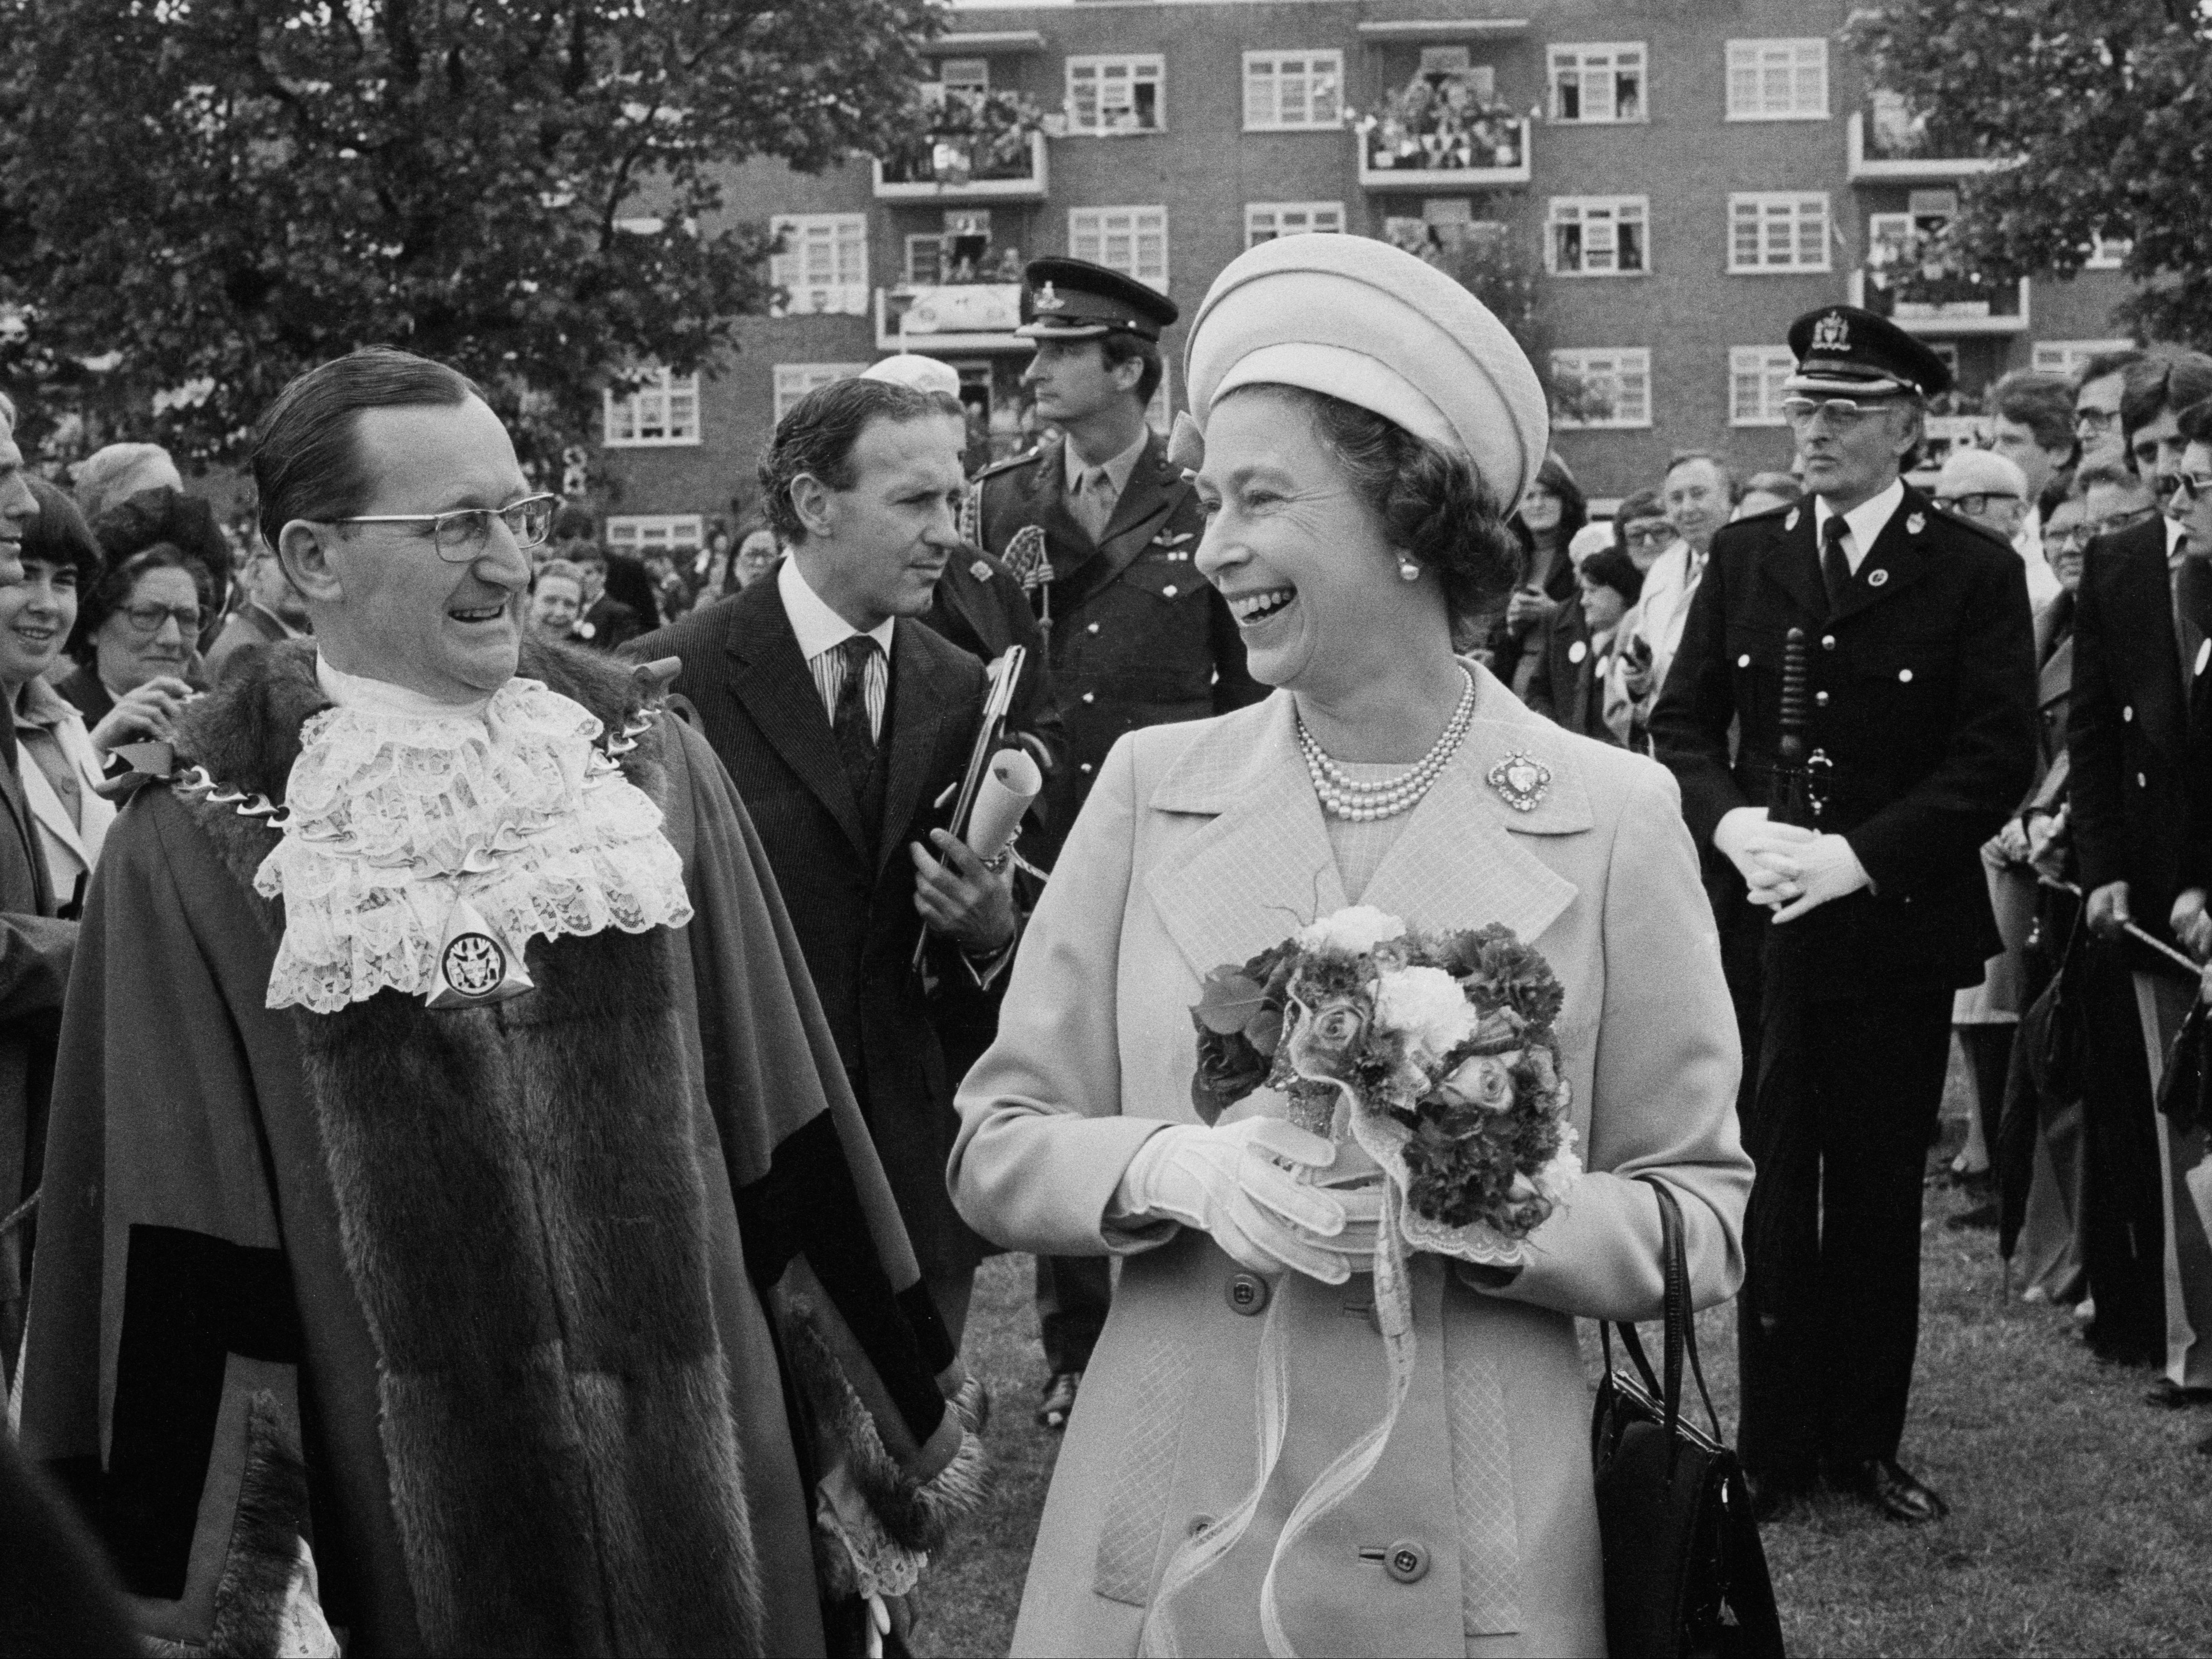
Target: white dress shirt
<point>1863,524</point>
<point>821,631</point>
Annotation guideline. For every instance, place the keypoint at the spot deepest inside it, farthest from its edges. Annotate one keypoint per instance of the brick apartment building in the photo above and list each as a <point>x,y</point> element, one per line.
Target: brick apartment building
<point>1689,174</point>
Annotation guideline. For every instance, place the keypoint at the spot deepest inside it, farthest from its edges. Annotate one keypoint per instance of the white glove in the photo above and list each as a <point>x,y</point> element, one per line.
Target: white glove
<point>1227,1181</point>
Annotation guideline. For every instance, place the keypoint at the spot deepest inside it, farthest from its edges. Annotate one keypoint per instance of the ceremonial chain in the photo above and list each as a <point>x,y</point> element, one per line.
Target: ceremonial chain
<point>1350,798</point>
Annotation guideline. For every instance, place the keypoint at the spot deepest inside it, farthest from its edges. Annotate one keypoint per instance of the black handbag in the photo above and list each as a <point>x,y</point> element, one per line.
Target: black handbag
<point>1684,1572</point>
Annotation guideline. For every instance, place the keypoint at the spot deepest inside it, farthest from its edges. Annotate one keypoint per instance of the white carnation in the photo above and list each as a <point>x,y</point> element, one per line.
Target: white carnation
<point>1427,1005</point>
<point>1357,928</point>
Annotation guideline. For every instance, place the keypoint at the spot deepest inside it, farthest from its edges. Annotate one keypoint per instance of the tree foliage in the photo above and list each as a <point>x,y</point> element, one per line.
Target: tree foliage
<point>2104,110</point>
<point>200,197</point>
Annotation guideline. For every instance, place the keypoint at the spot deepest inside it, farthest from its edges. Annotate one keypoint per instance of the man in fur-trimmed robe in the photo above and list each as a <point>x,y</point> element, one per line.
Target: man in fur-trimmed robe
<point>460,1237</point>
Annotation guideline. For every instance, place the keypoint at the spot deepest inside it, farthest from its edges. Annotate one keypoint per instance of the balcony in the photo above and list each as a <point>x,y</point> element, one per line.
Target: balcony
<point>1488,152</point>
<point>949,320</point>
<point>1941,304</point>
<point>1888,147</point>
<point>967,167</point>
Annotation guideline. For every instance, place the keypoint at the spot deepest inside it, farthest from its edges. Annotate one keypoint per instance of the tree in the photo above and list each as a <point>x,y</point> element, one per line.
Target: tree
<point>2101,111</point>
<point>200,197</point>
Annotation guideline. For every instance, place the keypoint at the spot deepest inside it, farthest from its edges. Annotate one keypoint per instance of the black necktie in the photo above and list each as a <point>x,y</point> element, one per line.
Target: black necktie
<point>1835,569</point>
<point>856,742</point>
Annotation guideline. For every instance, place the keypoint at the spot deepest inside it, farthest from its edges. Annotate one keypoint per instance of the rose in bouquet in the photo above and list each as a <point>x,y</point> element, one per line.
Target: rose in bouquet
<point>1432,1051</point>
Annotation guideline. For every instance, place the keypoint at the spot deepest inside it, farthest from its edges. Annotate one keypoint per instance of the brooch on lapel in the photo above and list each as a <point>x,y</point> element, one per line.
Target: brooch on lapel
<point>1876,578</point>
<point>1790,523</point>
<point>1521,779</point>
<point>1915,524</point>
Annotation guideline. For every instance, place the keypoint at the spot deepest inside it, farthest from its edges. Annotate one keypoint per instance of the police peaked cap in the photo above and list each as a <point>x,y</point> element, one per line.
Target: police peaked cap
<point>1843,352</point>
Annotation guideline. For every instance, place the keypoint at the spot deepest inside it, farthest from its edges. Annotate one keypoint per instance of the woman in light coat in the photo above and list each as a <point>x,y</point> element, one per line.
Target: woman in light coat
<point>1364,419</point>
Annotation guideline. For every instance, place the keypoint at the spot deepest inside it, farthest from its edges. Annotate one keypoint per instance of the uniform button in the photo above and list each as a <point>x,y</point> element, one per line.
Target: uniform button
<point>1904,677</point>
<point>1407,1561</point>
<point>1744,661</point>
<point>1090,696</point>
<point>1828,641</point>
<point>2141,782</point>
<point>1094,628</point>
<point>1169,592</point>
<point>1247,1293</point>
<point>1820,699</point>
<point>1085,766</point>
<point>1196,1524</point>
<point>2128,713</point>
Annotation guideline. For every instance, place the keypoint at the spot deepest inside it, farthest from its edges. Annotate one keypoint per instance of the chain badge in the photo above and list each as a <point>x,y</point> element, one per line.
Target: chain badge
<point>1520,780</point>
<point>475,967</point>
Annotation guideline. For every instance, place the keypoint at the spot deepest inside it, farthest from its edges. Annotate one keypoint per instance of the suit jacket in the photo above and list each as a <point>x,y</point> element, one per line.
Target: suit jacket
<point>1924,691</point>
<point>610,624</point>
<point>1138,637</point>
<point>2127,725</point>
<point>1203,844</point>
<point>853,907</point>
<point>2054,698</point>
<point>249,625</point>
<point>1568,684</point>
<point>979,607</point>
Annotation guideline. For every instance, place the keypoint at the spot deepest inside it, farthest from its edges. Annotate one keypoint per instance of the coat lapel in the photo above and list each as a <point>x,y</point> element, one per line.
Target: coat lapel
<point>919,708</point>
<point>1155,486</point>
<point>1897,560</point>
<point>770,678</point>
<point>1792,562</point>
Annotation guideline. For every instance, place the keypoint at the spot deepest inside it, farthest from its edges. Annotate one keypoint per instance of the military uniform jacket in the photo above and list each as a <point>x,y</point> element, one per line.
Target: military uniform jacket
<point>1922,726</point>
<point>1139,637</point>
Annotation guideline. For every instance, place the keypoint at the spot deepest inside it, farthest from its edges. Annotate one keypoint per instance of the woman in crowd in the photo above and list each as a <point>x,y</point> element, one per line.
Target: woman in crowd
<point>55,760</point>
<point>556,599</point>
<point>1367,425</point>
<point>1551,510</point>
<point>1578,645</point>
<point>1641,528</point>
<point>755,557</point>
<point>135,645</point>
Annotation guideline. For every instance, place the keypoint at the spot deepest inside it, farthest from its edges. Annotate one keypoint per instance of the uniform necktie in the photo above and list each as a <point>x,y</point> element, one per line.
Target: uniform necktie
<point>856,740</point>
<point>1094,500</point>
<point>1835,568</point>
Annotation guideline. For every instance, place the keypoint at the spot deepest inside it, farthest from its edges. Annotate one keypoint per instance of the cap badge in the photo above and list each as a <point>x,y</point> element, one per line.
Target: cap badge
<point>1047,301</point>
<point>1790,523</point>
<point>1915,524</point>
<point>1877,578</point>
<point>1832,332</point>
<point>1520,780</point>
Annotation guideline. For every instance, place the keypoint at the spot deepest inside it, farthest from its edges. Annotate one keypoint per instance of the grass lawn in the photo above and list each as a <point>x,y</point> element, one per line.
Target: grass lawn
<point>2081,1517</point>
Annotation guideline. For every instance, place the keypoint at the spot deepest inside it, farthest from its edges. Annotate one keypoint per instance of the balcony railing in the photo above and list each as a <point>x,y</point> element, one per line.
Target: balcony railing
<point>1490,152</point>
<point>1942,305</point>
<point>950,319</point>
<point>1895,157</point>
<point>968,167</point>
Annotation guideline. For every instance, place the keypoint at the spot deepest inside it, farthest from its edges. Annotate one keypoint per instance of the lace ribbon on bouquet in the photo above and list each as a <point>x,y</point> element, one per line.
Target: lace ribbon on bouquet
<point>394,819</point>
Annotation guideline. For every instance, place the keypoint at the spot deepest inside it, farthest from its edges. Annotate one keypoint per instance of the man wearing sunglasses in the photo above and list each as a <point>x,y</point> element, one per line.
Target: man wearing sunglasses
<point>1921,685</point>
<point>2099,385</point>
<point>2142,617</point>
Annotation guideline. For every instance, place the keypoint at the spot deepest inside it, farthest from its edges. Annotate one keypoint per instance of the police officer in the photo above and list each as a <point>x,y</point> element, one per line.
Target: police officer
<point>1922,723</point>
<point>1102,528</point>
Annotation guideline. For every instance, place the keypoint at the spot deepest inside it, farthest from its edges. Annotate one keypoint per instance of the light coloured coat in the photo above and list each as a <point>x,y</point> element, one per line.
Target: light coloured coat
<point>1200,845</point>
<point>70,842</point>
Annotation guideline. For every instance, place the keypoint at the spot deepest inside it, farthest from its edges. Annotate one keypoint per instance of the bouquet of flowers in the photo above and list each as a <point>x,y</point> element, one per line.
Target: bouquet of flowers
<point>1433,1052</point>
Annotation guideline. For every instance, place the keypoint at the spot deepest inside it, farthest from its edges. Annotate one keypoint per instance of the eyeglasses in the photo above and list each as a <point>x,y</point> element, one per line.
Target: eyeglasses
<point>1843,413</point>
<point>462,536</point>
<point>2072,538</point>
<point>2096,421</point>
<point>2198,485</point>
<point>1974,503</point>
<point>1651,534</point>
<point>147,619</point>
<point>2119,521</point>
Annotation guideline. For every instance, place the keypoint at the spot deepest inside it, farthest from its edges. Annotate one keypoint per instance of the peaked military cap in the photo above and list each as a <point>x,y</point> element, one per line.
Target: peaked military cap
<point>1075,300</point>
<point>1842,351</point>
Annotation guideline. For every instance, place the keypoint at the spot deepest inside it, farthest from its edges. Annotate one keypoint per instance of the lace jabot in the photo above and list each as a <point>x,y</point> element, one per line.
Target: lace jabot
<point>397,814</point>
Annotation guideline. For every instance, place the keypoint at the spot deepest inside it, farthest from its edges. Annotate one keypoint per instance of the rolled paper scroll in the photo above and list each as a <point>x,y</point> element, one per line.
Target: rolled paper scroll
<point>1008,787</point>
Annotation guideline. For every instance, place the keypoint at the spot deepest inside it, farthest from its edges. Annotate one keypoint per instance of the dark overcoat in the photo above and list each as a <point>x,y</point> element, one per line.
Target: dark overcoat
<point>1924,723</point>
<point>1138,638</point>
<point>850,887</point>
<point>980,607</point>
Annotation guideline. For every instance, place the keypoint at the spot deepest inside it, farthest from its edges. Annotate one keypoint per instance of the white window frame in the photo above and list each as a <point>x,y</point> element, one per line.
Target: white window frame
<point>838,289</point>
<point>1318,78</point>
<point>794,380</point>
<point>1592,366</point>
<point>964,73</point>
<point>1761,206</point>
<point>663,413</point>
<point>644,533</point>
<point>1092,234</point>
<point>1601,220</point>
<point>2065,357</point>
<point>1610,59</point>
<point>1803,63</point>
<point>1266,221</point>
<point>1100,73</point>
<point>1760,370</point>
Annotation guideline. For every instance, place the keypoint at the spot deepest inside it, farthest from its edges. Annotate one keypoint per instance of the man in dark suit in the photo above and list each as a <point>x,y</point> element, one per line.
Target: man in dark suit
<point>2141,617</point>
<point>1921,683</point>
<point>1102,528</point>
<point>606,624</point>
<point>843,722</point>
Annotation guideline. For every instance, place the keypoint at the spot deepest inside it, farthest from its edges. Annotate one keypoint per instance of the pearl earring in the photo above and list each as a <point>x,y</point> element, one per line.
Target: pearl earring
<point>1408,571</point>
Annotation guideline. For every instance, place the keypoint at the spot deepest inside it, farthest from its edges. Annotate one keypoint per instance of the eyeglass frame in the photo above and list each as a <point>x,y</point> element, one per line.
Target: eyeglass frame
<point>436,520</point>
<point>1958,503</point>
<point>1843,413</point>
<point>1664,534</point>
<point>188,624</point>
<point>2167,484</point>
<point>2090,529</point>
<point>2099,421</point>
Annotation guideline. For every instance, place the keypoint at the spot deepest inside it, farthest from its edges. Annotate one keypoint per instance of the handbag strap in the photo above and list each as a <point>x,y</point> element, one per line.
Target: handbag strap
<point>1681,1325</point>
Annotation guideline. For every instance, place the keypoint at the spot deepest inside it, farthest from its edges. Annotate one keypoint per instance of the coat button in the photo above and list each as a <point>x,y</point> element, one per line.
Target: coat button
<point>1820,699</point>
<point>1744,661</point>
<point>2128,713</point>
<point>1169,592</point>
<point>1196,1524</point>
<point>1094,628</point>
<point>2141,782</point>
<point>1084,767</point>
<point>1090,696</point>
<point>1828,641</point>
<point>1247,1293</point>
<point>1407,1561</point>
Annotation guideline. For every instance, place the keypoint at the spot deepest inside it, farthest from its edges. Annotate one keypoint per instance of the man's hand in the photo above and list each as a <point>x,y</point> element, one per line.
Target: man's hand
<point>2046,843</point>
<point>1745,834</point>
<point>2009,844</point>
<point>2108,911</point>
<point>146,711</point>
<point>2191,925</point>
<point>959,897</point>
<point>1811,874</point>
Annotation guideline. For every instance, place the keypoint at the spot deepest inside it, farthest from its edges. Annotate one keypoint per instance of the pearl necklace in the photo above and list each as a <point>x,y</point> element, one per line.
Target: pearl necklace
<point>1346,797</point>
